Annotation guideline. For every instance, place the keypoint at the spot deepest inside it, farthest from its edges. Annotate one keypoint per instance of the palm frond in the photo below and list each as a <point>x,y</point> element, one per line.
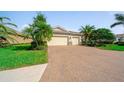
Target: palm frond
<point>3,27</point>
<point>11,31</point>
<point>117,23</point>
<point>5,38</point>
<point>11,24</point>
<point>27,31</point>
<point>4,18</point>
<point>119,17</point>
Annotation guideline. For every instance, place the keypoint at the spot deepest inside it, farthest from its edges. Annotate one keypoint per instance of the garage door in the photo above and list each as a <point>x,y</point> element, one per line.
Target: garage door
<point>75,41</point>
<point>58,41</point>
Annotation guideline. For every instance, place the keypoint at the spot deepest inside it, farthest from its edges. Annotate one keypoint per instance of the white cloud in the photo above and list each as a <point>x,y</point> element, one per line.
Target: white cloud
<point>22,27</point>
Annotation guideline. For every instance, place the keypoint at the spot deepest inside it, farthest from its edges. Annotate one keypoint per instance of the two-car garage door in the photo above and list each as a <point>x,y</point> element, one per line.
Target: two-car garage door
<point>63,40</point>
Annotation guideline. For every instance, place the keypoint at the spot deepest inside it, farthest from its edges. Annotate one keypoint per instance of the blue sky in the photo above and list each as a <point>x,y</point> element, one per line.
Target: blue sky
<point>69,20</point>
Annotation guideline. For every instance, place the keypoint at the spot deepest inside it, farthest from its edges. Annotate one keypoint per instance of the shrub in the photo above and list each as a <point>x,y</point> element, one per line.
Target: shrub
<point>4,44</point>
<point>42,46</point>
<point>121,43</point>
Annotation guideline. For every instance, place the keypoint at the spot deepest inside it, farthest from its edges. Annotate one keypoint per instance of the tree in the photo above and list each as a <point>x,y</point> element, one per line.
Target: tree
<point>87,32</point>
<point>5,32</point>
<point>120,20</point>
<point>93,37</point>
<point>102,36</point>
<point>39,31</point>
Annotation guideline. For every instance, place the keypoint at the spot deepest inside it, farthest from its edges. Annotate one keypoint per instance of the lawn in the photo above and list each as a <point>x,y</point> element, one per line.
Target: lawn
<point>112,47</point>
<point>19,56</point>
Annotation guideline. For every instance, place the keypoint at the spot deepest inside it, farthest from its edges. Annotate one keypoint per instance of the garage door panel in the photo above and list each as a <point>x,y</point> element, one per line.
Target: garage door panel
<point>58,41</point>
<point>75,41</point>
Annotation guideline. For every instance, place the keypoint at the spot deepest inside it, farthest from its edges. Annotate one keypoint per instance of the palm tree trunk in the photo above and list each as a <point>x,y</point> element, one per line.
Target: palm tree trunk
<point>34,40</point>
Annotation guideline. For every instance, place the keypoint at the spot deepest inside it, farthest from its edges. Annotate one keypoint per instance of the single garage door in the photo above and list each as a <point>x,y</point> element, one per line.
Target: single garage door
<point>75,41</point>
<point>58,41</point>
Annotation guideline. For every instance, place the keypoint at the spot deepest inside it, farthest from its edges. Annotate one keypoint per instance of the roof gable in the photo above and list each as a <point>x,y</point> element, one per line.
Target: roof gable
<point>59,30</point>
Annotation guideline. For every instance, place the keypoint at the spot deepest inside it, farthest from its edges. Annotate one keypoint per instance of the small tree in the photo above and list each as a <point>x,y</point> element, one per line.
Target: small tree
<point>94,37</point>
<point>39,31</point>
<point>102,36</point>
<point>5,32</point>
<point>86,33</point>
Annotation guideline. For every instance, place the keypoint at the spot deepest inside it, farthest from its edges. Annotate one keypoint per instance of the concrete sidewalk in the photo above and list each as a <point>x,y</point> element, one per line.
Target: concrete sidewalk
<point>25,74</point>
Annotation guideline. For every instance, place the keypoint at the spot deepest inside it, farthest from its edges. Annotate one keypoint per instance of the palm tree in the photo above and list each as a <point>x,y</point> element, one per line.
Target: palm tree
<point>120,20</point>
<point>86,32</point>
<point>39,31</point>
<point>5,32</point>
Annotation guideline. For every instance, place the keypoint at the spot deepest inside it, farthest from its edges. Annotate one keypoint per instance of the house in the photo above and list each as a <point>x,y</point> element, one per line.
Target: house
<point>61,36</point>
<point>120,37</point>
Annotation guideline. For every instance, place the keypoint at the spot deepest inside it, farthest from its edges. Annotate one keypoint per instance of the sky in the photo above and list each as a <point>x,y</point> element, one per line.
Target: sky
<point>70,20</point>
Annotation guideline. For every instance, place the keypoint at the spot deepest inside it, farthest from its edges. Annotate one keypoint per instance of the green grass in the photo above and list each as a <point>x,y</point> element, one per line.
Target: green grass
<point>112,47</point>
<point>19,56</point>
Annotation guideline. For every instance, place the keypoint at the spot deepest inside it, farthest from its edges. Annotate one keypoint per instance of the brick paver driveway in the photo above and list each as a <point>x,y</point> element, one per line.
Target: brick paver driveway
<point>79,63</point>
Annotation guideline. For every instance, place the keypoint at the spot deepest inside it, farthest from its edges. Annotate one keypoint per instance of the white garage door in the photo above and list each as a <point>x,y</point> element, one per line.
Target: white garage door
<point>75,41</point>
<point>58,41</point>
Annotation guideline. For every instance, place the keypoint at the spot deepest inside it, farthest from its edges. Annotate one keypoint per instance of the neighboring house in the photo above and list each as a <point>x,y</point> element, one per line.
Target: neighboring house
<point>120,37</point>
<point>61,36</point>
<point>19,39</point>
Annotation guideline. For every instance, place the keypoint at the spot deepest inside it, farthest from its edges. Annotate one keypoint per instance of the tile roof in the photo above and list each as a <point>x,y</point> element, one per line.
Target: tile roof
<point>56,30</point>
<point>60,30</point>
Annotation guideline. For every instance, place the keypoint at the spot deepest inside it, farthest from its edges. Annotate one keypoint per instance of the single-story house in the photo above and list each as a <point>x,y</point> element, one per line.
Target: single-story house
<point>120,37</point>
<point>61,36</point>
